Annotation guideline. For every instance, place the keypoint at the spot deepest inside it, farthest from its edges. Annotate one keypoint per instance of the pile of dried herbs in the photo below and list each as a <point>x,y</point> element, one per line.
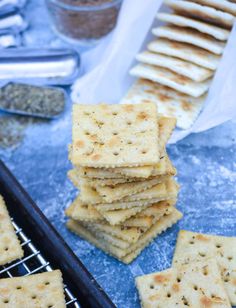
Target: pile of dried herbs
<point>41,101</point>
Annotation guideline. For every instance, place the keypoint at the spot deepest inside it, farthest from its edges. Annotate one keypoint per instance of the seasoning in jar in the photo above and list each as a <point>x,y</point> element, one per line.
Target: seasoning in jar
<point>83,19</point>
<point>32,100</point>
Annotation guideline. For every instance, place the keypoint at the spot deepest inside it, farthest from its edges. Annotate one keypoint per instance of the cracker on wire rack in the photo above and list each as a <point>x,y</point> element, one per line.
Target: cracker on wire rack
<point>39,290</point>
<point>10,248</point>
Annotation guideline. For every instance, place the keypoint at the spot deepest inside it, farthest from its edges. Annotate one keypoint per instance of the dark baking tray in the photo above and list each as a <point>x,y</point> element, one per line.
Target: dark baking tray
<point>25,212</point>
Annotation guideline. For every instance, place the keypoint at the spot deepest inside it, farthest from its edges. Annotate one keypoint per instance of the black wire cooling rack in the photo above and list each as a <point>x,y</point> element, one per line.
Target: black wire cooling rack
<point>45,250</point>
<point>32,263</point>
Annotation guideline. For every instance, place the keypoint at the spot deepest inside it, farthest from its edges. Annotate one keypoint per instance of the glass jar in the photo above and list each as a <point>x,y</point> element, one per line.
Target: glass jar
<point>83,21</point>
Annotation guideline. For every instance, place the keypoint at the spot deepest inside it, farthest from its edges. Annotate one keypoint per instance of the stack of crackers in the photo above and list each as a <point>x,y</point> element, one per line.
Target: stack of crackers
<point>38,290</point>
<point>203,274</point>
<point>125,177</point>
<point>177,67</point>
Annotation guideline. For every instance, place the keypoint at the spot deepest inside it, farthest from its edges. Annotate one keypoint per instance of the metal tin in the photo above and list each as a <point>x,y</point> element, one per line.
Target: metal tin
<point>39,66</point>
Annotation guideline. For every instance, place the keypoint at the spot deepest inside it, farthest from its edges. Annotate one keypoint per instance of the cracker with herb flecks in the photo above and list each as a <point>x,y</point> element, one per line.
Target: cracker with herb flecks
<point>34,291</point>
<point>126,255</point>
<point>159,192</point>
<point>115,135</point>
<point>197,285</point>
<point>166,126</point>
<point>120,191</point>
<point>192,246</point>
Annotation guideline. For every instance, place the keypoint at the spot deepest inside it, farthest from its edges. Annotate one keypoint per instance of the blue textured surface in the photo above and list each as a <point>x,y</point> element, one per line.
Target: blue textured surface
<point>206,171</point>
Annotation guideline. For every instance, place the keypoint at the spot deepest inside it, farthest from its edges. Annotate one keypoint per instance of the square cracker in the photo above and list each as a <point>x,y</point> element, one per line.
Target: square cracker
<point>89,195</point>
<point>197,285</point>
<point>170,79</point>
<point>129,235</point>
<point>190,36</point>
<point>10,248</point>
<point>87,213</point>
<point>120,191</point>
<point>169,102</point>
<point>166,126</point>
<point>98,173</point>
<point>82,212</point>
<point>203,12</point>
<point>117,217</point>
<point>114,135</point>
<point>126,255</point>
<point>79,211</point>
<point>193,246</point>
<point>144,222</point>
<point>181,67</point>
<point>114,241</point>
<point>186,52</point>
<point>34,291</point>
<point>182,21</point>
<point>164,167</point>
<point>160,192</point>
<point>75,177</point>
<point>221,5</point>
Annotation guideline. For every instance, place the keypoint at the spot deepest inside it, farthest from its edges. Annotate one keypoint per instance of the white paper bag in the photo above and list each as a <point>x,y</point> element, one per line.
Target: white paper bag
<point>109,80</point>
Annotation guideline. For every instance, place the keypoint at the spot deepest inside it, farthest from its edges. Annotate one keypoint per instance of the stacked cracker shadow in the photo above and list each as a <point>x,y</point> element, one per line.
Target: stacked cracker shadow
<point>178,65</point>
<point>125,177</point>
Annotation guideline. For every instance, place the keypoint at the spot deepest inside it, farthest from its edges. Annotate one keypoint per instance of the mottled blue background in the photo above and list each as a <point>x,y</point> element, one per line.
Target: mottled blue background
<point>206,171</point>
